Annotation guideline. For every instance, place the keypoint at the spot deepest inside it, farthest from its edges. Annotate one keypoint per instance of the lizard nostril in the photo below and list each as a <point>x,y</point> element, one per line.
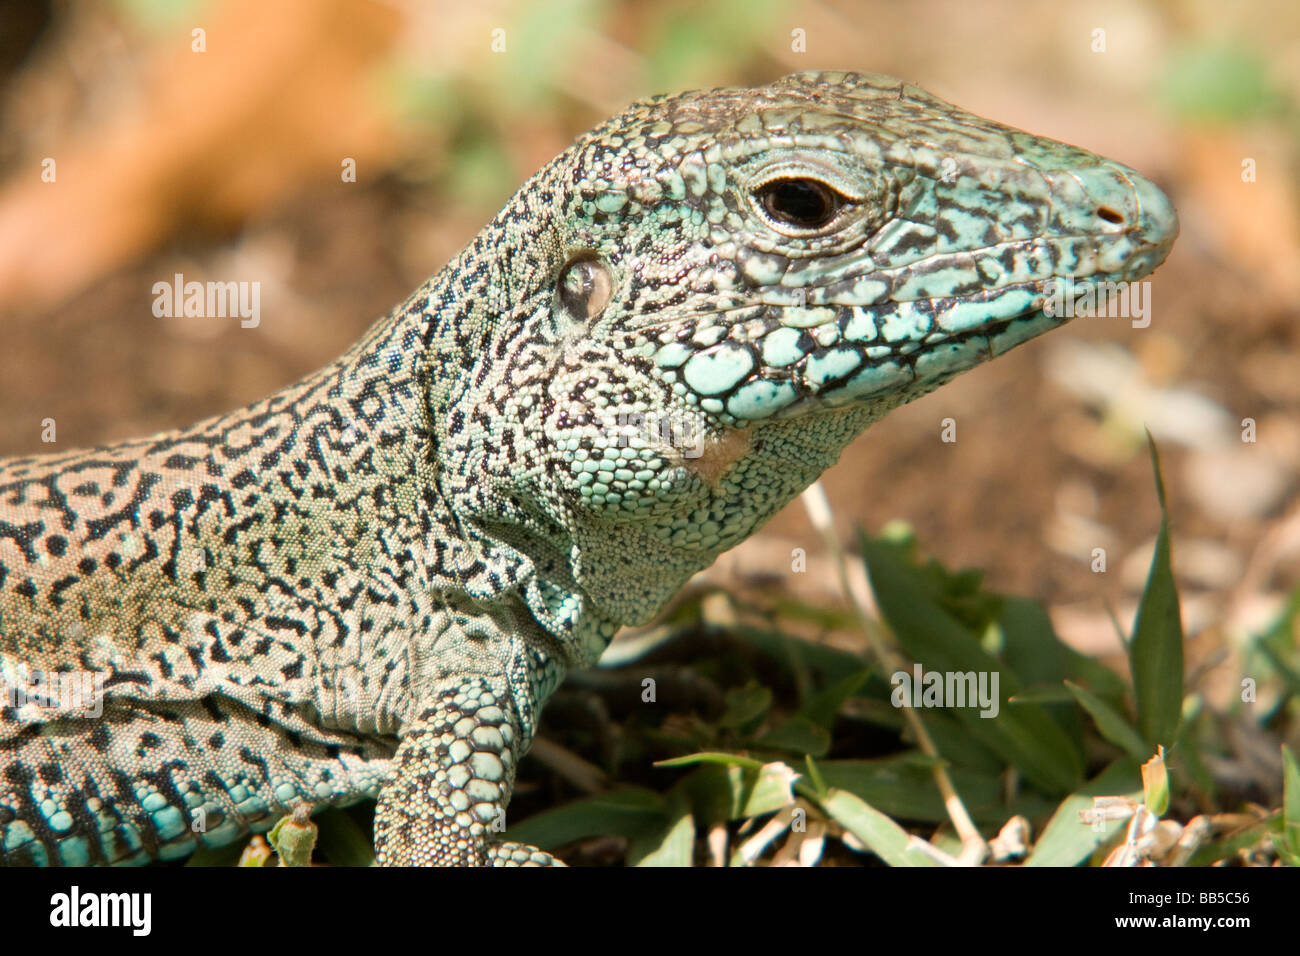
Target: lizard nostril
<point>1106,214</point>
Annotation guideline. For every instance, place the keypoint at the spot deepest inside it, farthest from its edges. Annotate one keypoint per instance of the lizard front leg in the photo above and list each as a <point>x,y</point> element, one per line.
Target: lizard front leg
<point>451,780</point>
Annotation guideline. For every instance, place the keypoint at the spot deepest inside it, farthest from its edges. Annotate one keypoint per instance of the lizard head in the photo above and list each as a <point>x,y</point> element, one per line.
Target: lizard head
<point>726,287</point>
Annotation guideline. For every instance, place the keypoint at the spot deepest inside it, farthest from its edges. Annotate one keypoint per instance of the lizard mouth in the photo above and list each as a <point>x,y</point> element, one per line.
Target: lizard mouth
<point>775,365</point>
<point>778,370</point>
<point>906,374</point>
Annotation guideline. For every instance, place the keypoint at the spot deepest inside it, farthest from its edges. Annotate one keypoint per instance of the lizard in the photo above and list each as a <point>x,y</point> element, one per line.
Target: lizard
<point>366,585</point>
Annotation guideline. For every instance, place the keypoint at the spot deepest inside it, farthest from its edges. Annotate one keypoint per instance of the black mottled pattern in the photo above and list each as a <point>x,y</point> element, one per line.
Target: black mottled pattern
<point>370,582</point>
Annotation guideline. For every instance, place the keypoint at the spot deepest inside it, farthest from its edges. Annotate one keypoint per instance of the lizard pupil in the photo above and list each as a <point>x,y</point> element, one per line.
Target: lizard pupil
<point>585,288</point>
<point>803,203</point>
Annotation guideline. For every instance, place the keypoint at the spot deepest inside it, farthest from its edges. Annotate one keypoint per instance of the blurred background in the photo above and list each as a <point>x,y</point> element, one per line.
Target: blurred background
<point>218,154</point>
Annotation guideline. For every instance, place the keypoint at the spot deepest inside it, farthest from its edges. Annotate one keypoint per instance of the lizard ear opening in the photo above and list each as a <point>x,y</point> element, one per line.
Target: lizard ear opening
<point>585,287</point>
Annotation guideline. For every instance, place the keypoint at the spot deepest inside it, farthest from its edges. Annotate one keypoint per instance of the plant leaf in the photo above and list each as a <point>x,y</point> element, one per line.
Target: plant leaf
<point>1067,841</point>
<point>1111,723</point>
<point>1156,650</point>
<point>882,836</point>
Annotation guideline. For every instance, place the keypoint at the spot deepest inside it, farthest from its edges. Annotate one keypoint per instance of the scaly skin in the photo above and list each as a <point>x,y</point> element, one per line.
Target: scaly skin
<point>369,583</point>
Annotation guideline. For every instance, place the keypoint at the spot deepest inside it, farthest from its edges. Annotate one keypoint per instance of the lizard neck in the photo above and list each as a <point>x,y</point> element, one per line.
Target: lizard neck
<point>493,545</point>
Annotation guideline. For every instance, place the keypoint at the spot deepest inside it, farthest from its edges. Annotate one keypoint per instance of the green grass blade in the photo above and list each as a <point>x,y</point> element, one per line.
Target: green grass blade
<point>1023,735</point>
<point>1156,651</point>
<point>671,845</point>
<point>1111,723</point>
<point>1290,841</point>
<point>902,785</point>
<point>631,813</point>
<point>882,836</point>
<point>1067,841</point>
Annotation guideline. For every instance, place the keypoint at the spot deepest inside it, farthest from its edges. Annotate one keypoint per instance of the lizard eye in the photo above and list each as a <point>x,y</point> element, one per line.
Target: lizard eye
<point>801,203</point>
<point>585,287</point>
